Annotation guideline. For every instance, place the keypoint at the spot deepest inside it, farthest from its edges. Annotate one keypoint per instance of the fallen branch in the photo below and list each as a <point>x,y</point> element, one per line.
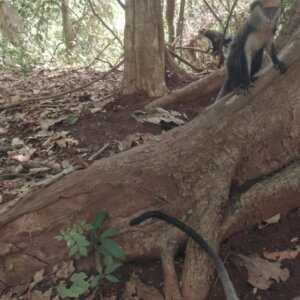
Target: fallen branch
<point>185,61</point>
<point>92,157</point>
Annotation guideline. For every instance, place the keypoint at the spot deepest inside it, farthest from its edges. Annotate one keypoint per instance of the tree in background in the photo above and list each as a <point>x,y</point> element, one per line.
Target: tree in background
<point>144,48</point>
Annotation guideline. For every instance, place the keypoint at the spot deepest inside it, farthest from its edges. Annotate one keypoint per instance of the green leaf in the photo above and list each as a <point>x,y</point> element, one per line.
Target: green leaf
<point>110,232</point>
<point>80,279</point>
<point>94,281</point>
<point>71,120</point>
<point>73,292</point>
<point>80,239</point>
<point>108,260</point>
<point>98,220</point>
<point>88,227</point>
<point>113,248</point>
<point>96,223</point>
<point>73,250</point>
<point>111,268</point>
<point>59,237</point>
<point>83,250</point>
<point>112,278</point>
<point>70,241</point>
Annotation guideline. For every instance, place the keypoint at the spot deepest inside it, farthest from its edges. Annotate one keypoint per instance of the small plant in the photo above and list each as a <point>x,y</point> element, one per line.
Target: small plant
<point>108,254</point>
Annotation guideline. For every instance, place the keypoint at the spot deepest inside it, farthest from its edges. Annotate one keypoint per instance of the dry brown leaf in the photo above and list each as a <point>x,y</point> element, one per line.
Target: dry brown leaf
<point>15,99</point>
<point>38,277</point>
<point>16,141</point>
<point>46,123</point>
<point>137,290</point>
<point>23,154</point>
<point>273,220</point>
<point>261,272</point>
<point>67,142</point>
<point>66,270</point>
<point>281,255</point>
<point>8,297</point>
<point>158,115</point>
<point>38,295</point>
<point>60,139</point>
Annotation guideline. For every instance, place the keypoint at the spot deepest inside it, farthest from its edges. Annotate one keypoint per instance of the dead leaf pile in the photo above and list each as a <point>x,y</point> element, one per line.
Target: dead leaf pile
<point>32,148</point>
<point>261,272</point>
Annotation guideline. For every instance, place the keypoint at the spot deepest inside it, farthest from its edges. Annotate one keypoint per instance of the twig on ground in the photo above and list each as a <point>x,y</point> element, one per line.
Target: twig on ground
<point>92,157</point>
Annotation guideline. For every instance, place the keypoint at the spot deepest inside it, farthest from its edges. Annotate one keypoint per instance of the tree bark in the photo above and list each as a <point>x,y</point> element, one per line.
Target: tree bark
<point>170,14</point>
<point>246,147</point>
<point>180,23</point>
<point>144,66</point>
<point>69,34</point>
<point>199,88</point>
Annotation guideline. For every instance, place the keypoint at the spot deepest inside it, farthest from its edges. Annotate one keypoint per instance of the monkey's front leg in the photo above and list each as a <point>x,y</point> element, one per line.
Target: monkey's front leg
<point>278,64</point>
<point>246,83</point>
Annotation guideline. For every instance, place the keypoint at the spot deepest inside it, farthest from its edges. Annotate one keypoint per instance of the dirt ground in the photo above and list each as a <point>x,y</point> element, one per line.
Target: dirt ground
<point>115,124</point>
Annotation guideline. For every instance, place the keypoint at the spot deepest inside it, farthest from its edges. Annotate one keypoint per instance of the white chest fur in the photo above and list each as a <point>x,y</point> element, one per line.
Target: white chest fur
<point>257,40</point>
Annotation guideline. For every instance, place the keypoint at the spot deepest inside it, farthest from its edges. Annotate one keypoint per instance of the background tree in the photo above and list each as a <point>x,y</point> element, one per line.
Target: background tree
<point>144,48</point>
<point>69,34</point>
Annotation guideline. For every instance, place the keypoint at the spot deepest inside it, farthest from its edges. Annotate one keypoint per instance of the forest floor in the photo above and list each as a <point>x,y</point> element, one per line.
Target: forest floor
<point>41,139</point>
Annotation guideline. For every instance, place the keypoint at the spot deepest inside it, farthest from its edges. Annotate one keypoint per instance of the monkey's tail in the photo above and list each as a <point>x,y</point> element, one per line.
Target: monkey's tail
<point>222,272</point>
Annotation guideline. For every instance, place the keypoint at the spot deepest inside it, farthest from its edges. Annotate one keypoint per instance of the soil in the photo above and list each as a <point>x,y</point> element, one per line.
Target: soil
<point>93,130</point>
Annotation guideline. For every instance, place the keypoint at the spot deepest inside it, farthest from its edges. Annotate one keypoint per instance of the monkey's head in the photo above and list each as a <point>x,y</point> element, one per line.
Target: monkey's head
<point>264,13</point>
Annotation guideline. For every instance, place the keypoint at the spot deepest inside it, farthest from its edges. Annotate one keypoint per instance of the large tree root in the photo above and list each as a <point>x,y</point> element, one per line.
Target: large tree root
<point>278,193</point>
<point>199,88</point>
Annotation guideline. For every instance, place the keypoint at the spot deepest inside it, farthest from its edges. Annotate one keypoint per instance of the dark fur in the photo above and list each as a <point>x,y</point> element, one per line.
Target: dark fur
<point>215,37</point>
<point>239,78</point>
<point>224,277</point>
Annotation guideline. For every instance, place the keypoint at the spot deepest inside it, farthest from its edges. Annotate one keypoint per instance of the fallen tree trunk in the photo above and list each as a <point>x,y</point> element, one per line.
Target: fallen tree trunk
<point>246,145</point>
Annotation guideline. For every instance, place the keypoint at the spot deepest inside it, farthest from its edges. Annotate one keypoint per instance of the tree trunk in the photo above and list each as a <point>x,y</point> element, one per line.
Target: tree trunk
<point>180,23</point>
<point>69,34</point>
<point>144,65</point>
<point>246,146</point>
<point>170,13</point>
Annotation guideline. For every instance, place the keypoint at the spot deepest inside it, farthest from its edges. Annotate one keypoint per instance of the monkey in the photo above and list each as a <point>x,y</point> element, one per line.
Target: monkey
<point>215,37</point>
<point>221,270</point>
<point>245,55</point>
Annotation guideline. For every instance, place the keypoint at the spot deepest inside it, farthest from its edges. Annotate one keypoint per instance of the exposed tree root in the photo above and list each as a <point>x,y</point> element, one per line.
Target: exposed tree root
<point>200,88</point>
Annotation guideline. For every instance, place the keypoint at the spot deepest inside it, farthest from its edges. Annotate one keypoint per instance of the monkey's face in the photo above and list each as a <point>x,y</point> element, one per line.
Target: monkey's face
<point>271,10</point>
<point>265,15</point>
